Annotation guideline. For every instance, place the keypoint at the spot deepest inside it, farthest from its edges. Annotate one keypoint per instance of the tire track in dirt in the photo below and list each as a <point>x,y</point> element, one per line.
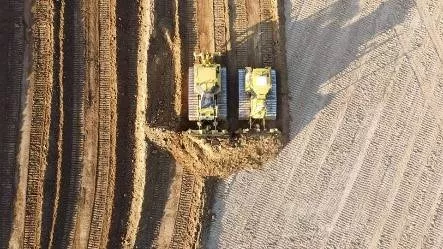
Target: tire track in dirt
<point>161,74</point>
<point>42,68</point>
<point>73,124</point>
<point>91,109</point>
<point>13,41</point>
<point>160,168</point>
<point>354,214</point>
<point>398,151</point>
<point>372,160</point>
<point>127,80</point>
<point>181,235</point>
<point>390,235</point>
<point>237,54</point>
<point>51,187</point>
<point>404,198</point>
<point>434,236</point>
<point>133,33</point>
<point>105,148</point>
<point>422,206</point>
<point>220,25</point>
<point>205,26</point>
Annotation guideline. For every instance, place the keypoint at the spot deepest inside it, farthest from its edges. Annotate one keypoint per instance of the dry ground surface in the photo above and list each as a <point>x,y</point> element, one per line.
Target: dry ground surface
<point>93,153</point>
<point>364,164</point>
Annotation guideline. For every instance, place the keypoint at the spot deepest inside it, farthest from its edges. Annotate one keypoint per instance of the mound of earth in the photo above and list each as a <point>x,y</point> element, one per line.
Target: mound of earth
<point>210,156</point>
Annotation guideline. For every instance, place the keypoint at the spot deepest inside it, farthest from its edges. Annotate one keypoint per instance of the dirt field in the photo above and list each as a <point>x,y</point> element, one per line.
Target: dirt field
<point>94,150</point>
<point>363,167</point>
<point>95,153</point>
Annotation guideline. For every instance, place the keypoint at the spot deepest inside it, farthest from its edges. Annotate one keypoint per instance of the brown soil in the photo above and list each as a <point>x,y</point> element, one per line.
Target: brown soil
<point>247,41</point>
<point>219,157</point>
<point>110,163</point>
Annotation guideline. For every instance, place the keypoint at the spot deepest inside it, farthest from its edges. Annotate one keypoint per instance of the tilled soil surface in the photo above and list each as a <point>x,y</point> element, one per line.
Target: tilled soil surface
<point>94,150</point>
<point>364,164</point>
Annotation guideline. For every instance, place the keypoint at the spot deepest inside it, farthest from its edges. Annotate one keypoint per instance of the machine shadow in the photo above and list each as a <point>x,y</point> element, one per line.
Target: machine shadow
<point>308,67</point>
<point>314,57</point>
<point>159,174</point>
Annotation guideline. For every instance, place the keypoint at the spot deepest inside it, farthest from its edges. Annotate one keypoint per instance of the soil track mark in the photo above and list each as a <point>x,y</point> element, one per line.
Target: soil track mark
<point>104,154</point>
<point>159,172</point>
<point>220,25</point>
<point>42,68</point>
<point>181,226</point>
<point>127,44</point>
<point>51,187</point>
<point>12,38</point>
<point>161,73</point>
<point>205,25</point>
<point>73,124</point>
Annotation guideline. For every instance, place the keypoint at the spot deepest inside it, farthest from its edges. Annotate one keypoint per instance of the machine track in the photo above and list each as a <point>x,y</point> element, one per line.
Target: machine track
<point>271,101</point>
<point>189,43</point>
<point>244,106</point>
<point>192,97</point>
<point>43,61</point>
<point>104,126</point>
<point>222,98</point>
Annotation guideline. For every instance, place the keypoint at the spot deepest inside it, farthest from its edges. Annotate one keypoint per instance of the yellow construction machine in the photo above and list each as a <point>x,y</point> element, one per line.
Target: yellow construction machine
<point>257,88</point>
<point>207,94</point>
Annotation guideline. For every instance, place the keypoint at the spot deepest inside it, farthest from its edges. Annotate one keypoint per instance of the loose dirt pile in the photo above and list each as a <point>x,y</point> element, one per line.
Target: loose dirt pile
<point>219,157</point>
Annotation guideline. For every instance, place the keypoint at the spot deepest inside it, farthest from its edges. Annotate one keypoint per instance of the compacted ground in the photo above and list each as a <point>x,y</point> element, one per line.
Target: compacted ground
<point>364,164</point>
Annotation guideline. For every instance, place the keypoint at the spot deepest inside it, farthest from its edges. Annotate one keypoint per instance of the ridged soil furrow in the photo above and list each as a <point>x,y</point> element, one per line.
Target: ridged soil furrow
<point>73,130</point>
<point>398,153</point>
<point>331,185</point>
<point>352,214</point>
<point>426,194</point>
<point>51,188</point>
<point>239,34</point>
<point>345,147</point>
<point>158,176</point>
<point>129,182</point>
<point>266,27</point>
<point>434,234</point>
<point>181,226</point>
<point>220,15</point>
<point>237,54</point>
<point>409,180</point>
<point>104,126</point>
<point>159,197</point>
<point>239,203</point>
<point>13,42</point>
<point>42,66</point>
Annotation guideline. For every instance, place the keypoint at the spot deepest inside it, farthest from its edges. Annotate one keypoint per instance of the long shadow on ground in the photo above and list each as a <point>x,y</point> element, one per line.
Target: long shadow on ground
<point>335,36</point>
